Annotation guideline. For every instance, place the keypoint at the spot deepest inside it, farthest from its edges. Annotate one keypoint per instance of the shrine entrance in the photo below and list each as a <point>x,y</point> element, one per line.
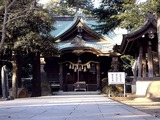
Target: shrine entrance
<point>81,76</point>
<point>78,72</point>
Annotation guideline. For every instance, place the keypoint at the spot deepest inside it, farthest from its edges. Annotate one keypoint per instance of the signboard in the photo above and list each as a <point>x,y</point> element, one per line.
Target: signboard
<point>116,78</point>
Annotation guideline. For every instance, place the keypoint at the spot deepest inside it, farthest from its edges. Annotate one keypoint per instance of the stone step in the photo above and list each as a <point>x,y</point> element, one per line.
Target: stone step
<point>77,93</point>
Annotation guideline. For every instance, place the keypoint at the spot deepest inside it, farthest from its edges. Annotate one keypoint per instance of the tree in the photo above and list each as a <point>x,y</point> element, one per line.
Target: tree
<point>127,64</point>
<point>32,36</point>
<point>119,13</point>
<point>27,35</point>
<point>12,10</point>
<point>69,7</point>
<point>128,14</point>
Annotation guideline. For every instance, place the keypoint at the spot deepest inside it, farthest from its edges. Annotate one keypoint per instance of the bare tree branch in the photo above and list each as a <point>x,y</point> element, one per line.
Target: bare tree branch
<point>11,4</point>
<point>21,16</point>
<point>6,18</point>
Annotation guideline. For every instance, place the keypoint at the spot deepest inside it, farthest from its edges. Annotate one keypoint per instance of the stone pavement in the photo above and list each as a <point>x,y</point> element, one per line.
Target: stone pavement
<point>69,107</point>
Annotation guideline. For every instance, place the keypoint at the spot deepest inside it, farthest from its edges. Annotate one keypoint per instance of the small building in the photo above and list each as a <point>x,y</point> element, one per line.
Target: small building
<point>143,45</point>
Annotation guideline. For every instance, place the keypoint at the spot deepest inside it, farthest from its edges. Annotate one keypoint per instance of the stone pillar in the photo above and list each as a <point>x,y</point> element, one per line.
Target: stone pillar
<point>140,62</point>
<point>135,69</point>
<point>98,75</point>
<point>4,82</point>
<point>115,64</point>
<point>150,60</point>
<point>45,85</point>
<point>61,76</point>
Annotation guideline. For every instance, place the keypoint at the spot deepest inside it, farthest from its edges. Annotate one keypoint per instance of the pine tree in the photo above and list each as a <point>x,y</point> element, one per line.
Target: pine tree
<point>26,30</point>
<point>69,7</point>
<point>119,13</point>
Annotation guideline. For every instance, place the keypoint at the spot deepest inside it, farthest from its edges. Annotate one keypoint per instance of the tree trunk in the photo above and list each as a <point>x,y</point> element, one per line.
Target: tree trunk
<point>158,35</point>
<point>14,75</point>
<point>19,71</point>
<point>36,81</point>
<point>4,28</point>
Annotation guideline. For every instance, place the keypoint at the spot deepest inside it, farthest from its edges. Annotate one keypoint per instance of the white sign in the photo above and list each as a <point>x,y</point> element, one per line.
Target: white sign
<point>116,78</point>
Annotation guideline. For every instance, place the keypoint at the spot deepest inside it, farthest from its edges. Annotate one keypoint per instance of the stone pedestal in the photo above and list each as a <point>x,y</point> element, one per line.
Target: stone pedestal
<point>149,88</point>
<point>153,90</point>
<point>45,85</point>
<point>133,88</point>
<point>141,87</point>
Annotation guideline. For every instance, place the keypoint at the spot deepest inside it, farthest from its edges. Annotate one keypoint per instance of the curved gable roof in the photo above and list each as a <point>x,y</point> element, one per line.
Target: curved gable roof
<point>79,19</point>
<point>128,39</point>
<point>78,35</point>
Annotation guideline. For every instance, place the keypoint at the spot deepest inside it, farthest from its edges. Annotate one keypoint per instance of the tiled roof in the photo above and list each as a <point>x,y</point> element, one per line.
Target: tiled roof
<point>103,47</point>
<point>64,23</point>
<point>150,25</point>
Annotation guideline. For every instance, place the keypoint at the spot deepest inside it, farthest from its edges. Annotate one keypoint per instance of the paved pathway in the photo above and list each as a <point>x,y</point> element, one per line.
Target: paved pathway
<point>69,107</point>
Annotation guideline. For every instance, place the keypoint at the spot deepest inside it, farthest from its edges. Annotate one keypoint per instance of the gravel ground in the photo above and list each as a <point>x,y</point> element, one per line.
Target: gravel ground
<point>147,105</point>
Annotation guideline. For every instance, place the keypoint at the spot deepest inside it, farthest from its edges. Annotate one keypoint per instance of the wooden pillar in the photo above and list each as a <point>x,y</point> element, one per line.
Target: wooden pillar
<point>98,75</point>
<point>144,68</point>
<point>140,62</point>
<point>150,60</point>
<point>61,76</point>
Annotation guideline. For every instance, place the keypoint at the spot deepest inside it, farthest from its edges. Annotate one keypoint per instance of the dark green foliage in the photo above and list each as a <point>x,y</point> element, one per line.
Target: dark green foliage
<point>120,13</point>
<point>69,7</point>
<point>32,34</point>
<point>28,27</point>
<point>127,64</point>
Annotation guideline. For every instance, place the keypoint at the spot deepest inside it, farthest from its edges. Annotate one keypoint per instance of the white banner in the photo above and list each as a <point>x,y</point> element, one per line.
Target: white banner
<point>116,78</point>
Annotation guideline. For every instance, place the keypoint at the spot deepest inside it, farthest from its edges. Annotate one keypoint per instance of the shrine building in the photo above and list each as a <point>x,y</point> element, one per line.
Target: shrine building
<point>85,56</point>
<point>143,45</point>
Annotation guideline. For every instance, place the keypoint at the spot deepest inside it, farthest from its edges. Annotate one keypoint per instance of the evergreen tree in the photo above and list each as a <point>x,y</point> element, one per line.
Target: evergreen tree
<point>26,30</point>
<point>11,10</point>
<point>119,13</point>
<point>32,36</point>
<point>69,7</point>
